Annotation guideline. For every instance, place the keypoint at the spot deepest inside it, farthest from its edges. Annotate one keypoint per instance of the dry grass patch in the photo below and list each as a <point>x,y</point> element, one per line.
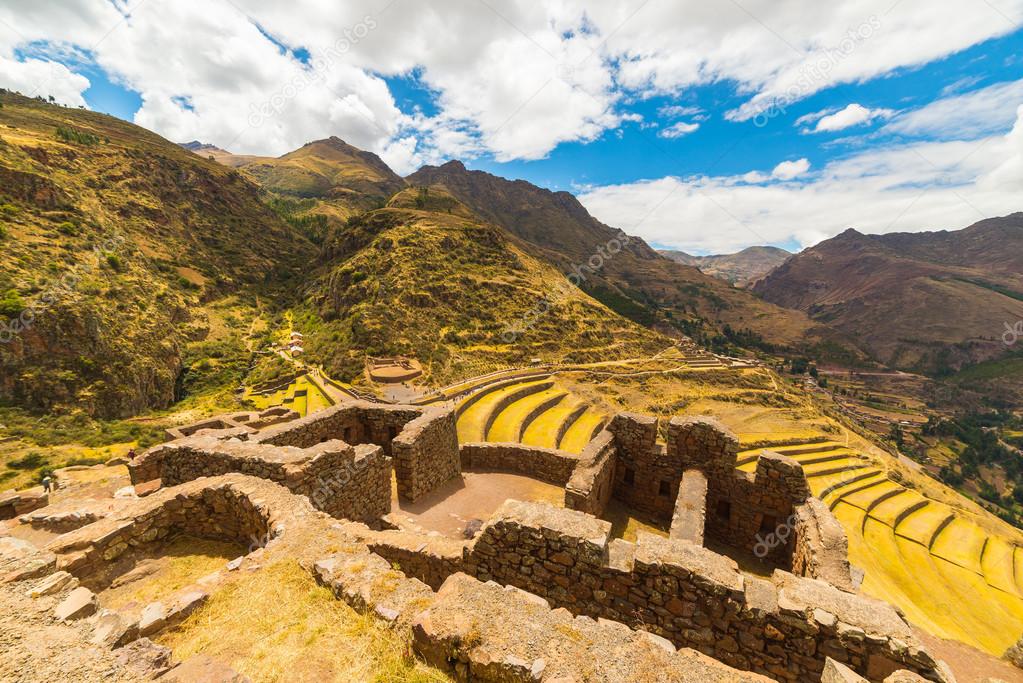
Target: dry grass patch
<point>277,624</point>
<point>173,566</point>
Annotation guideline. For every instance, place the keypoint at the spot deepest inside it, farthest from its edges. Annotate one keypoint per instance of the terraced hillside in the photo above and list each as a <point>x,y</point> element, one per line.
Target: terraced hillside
<point>423,278</point>
<point>303,395</point>
<point>534,411</point>
<point>950,576</point>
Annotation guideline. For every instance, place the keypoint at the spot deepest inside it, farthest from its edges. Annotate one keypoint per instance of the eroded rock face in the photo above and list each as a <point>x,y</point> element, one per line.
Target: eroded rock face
<point>1015,653</point>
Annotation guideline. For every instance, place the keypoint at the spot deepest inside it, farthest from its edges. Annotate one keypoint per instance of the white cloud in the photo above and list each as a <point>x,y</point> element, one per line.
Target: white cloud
<point>852,115</point>
<point>974,114</point>
<point>912,187</point>
<point>675,111</point>
<point>514,79</point>
<point>677,130</point>
<point>787,170</point>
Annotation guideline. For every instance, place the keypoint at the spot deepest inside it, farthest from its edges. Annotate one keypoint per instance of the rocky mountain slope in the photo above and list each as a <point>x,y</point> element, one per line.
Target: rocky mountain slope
<point>932,301</point>
<point>637,281</point>
<point>425,277</point>
<point>741,268</point>
<point>344,177</point>
<point>112,240</point>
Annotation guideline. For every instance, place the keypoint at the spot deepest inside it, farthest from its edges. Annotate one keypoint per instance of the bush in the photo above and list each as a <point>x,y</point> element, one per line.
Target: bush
<point>31,461</point>
<point>75,135</point>
<point>11,304</point>
<point>114,261</point>
<point>67,228</point>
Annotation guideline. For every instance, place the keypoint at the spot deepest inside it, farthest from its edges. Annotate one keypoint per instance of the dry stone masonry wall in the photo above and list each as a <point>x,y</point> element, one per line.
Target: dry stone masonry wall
<point>546,464</point>
<point>350,482</point>
<point>422,441</point>
<point>784,628</point>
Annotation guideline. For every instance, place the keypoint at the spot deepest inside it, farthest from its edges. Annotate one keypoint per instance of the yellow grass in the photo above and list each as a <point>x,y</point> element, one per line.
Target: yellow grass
<point>472,422</point>
<point>581,431</point>
<point>543,431</point>
<point>509,423</point>
<point>277,624</point>
<point>180,563</point>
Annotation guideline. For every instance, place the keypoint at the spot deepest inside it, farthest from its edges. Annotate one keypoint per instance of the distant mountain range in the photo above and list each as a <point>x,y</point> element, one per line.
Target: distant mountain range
<point>930,301</point>
<point>741,269</point>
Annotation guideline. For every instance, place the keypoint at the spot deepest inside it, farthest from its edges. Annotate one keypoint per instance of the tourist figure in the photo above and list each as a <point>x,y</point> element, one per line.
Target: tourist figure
<point>131,454</point>
<point>47,483</point>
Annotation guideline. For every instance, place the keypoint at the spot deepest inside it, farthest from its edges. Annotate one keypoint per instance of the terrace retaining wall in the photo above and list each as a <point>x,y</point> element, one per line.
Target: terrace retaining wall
<point>546,464</point>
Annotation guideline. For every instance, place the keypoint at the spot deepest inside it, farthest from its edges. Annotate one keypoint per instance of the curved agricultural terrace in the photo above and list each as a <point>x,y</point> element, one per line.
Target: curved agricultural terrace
<point>950,576</point>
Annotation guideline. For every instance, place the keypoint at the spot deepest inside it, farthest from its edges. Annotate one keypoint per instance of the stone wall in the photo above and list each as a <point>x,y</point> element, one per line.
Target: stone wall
<point>349,482</point>
<point>239,423</point>
<point>690,518</point>
<point>546,464</point>
<point>426,453</point>
<point>422,441</point>
<point>783,628</point>
<point>591,484</point>
<point>821,548</point>
<point>14,503</point>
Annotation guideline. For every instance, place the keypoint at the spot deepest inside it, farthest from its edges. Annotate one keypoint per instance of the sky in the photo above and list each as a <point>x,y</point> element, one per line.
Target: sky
<point>706,127</point>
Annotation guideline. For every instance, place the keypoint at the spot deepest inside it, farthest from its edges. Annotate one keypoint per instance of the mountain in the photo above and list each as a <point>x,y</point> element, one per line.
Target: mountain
<point>930,301</point>
<point>113,244</point>
<point>345,177</point>
<point>635,281</point>
<point>425,277</point>
<point>741,269</point>
<point>203,148</point>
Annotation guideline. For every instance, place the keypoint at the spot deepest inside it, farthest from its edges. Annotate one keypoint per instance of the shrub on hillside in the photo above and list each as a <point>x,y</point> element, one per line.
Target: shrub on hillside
<point>75,135</point>
<point>11,304</point>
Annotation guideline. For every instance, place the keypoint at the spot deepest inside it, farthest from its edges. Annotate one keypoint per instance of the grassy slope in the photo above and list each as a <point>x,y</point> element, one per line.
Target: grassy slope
<point>459,294</point>
<point>142,233</point>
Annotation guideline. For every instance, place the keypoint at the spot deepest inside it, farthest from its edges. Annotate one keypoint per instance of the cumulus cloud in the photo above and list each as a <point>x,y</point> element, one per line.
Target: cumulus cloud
<point>512,79</point>
<point>910,187</point>
<point>787,170</point>
<point>830,120</point>
<point>677,130</point>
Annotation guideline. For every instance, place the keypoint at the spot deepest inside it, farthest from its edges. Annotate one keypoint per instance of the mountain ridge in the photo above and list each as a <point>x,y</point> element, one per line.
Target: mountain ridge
<point>741,269</point>
<point>929,301</point>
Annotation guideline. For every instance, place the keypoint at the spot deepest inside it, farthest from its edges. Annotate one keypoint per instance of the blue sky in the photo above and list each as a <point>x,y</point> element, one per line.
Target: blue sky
<point>580,97</point>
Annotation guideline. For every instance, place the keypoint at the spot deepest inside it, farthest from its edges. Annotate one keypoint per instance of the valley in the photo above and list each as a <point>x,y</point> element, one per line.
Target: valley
<point>204,283</point>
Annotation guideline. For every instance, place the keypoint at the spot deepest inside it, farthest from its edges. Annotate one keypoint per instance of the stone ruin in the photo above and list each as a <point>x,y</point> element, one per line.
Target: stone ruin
<point>541,593</point>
